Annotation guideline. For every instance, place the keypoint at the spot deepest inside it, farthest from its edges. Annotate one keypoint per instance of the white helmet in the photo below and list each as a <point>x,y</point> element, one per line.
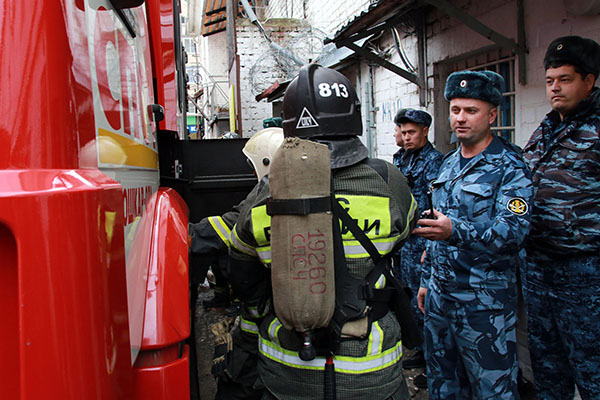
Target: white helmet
<point>261,147</point>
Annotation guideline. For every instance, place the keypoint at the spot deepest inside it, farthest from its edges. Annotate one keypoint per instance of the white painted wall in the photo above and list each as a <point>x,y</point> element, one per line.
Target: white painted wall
<point>446,38</point>
<point>392,93</point>
<point>253,46</point>
<point>212,60</point>
<point>545,20</point>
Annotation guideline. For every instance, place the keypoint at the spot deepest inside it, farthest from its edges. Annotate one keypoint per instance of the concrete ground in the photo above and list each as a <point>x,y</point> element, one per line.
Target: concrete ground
<point>410,374</point>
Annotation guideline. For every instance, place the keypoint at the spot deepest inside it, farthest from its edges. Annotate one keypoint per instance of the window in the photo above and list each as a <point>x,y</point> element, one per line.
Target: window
<point>190,46</point>
<point>498,60</point>
<point>505,123</point>
<point>193,74</point>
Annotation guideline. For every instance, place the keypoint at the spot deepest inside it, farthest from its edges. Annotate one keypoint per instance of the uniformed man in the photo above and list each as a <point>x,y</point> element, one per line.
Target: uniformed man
<point>420,165</point>
<point>236,371</point>
<point>322,105</point>
<point>562,278</point>
<point>398,138</point>
<point>396,157</point>
<point>469,295</point>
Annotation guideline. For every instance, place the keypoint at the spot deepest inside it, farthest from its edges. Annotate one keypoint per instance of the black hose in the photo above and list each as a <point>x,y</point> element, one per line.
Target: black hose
<point>329,389</point>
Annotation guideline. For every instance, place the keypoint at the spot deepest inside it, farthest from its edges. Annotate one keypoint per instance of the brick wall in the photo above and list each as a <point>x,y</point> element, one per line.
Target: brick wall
<point>257,64</point>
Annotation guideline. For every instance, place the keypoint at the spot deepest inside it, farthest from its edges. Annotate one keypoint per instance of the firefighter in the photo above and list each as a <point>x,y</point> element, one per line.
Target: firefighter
<point>321,105</point>
<point>210,236</point>
<point>234,367</point>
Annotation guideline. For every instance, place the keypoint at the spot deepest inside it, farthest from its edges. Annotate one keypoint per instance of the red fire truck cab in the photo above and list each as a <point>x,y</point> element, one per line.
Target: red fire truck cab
<point>93,252</point>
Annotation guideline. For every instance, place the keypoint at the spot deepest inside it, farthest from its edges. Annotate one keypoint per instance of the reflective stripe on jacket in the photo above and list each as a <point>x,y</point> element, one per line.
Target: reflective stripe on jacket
<point>248,326</point>
<point>221,229</point>
<point>349,365</point>
<point>361,208</point>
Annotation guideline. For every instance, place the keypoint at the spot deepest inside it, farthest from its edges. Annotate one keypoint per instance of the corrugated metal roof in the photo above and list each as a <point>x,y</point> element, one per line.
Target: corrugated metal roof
<point>214,18</point>
<point>333,58</point>
<point>379,11</point>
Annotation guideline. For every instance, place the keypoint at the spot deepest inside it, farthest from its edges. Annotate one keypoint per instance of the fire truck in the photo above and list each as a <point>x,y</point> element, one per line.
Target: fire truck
<point>94,271</point>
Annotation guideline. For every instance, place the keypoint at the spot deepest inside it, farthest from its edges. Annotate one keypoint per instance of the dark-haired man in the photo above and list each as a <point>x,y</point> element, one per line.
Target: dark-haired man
<point>398,138</point>
<point>562,278</point>
<point>469,293</point>
<point>420,163</point>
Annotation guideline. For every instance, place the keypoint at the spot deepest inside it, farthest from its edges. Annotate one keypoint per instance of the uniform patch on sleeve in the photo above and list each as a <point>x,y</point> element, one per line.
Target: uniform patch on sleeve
<point>517,206</point>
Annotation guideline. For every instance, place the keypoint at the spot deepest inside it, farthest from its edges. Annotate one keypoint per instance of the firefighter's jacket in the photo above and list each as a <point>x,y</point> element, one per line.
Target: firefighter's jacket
<point>210,237</point>
<point>387,213</point>
<point>210,240</point>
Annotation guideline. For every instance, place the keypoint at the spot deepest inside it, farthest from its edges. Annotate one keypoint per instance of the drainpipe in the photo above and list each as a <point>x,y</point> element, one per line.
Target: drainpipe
<point>371,113</point>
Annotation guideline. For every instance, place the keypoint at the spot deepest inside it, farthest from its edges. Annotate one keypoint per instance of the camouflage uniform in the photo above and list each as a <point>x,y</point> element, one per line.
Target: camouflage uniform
<point>562,278</point>
<point>470,308</point>
<point>368,368</point>
<point>210,241</point>
<point>396,160</point>
<point>420,168</point>
<point>397,157</point>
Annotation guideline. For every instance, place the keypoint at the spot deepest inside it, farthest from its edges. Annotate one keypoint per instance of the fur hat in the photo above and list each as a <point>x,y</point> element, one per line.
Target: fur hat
<point>399,115</point>
<point>416,116</point>
<point>574,50</point>
<point>481,85</point>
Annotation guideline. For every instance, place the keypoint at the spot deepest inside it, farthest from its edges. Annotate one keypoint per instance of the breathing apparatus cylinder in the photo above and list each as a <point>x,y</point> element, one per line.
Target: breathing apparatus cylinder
<point>302,261</point>
<point>320,103</point>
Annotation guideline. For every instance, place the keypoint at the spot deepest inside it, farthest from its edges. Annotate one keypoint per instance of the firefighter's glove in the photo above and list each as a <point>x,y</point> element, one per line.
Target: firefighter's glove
<point>223,346</point>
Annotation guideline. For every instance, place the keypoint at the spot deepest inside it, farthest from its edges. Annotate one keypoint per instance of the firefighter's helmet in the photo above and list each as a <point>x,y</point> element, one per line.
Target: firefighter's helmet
<point>321,102</point>
<point>261,147</point>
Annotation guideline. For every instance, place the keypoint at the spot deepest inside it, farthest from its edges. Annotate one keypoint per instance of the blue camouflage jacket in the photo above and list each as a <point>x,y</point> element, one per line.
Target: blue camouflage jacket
<point>488,202</point>
<point>420,169</point>
<point>564,157</point>
<point>397,157</point>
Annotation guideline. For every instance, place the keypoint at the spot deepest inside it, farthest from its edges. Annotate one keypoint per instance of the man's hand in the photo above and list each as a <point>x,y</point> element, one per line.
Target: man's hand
<point>434,229</point>
<point>421,299</point>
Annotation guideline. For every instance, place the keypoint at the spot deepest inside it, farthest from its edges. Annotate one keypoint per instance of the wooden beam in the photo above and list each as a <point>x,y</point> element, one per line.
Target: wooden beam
<point>475,25</point>
<point>230,27</point>
<point>386,64</point>
<point>215,21</point>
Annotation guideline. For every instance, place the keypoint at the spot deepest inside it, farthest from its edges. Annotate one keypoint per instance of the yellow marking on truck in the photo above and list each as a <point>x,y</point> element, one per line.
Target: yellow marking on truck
<point>113,146</point>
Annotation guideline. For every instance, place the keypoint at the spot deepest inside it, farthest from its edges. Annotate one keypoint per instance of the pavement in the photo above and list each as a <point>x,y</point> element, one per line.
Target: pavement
<point>409,375</point>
